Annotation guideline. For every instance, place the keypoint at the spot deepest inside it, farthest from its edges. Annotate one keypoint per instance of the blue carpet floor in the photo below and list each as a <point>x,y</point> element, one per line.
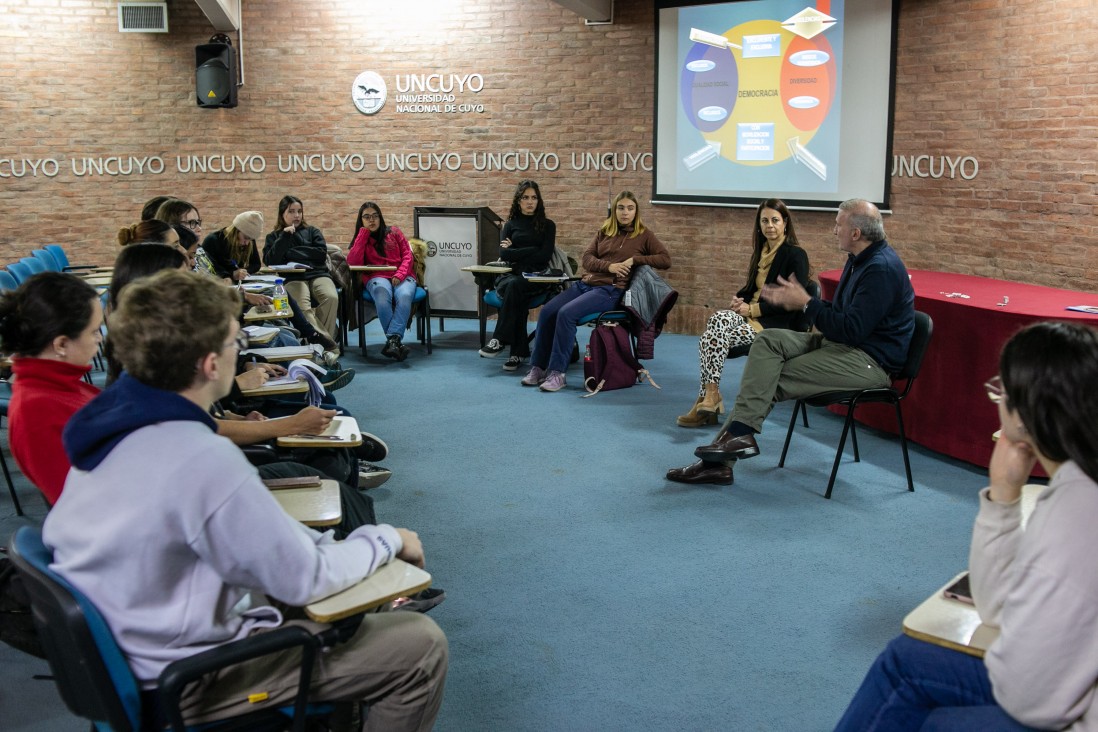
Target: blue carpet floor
<point>585,592</point>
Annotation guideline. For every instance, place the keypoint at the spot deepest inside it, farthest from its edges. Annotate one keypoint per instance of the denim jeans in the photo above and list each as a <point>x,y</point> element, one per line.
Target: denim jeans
<point>393,305</point>
<point>914,685</point>
<point>557,322</point>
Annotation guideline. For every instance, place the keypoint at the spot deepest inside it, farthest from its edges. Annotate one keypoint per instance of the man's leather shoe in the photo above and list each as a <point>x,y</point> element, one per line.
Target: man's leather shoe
<point>702,472</point>
<point>726,447</point>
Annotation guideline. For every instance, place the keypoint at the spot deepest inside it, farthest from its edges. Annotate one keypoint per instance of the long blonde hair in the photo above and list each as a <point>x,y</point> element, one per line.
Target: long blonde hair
<point>612,228</point>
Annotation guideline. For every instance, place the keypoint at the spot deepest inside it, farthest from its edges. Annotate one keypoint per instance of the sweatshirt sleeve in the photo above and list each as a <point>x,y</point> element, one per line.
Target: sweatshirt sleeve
<point>404,269</point>
<point>278,247</point>
<point>1039,587</point>
<point>866,307</point>
<point>356,257</point>
<point>253,543</point>
<point>591,260</point>
<point>655,254</point>
<point>217,249</point>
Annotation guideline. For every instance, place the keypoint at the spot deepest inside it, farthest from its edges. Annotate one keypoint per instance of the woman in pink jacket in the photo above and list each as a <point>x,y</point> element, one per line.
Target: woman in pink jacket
<point>375,243</point>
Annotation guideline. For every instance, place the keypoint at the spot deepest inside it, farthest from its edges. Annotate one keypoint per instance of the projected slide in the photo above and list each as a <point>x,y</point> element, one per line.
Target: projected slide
<point>760,93</point>
<point>773,97</point>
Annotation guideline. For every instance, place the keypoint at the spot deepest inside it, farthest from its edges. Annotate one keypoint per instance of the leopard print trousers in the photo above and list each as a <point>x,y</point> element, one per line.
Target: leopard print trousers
<point>724,330</point>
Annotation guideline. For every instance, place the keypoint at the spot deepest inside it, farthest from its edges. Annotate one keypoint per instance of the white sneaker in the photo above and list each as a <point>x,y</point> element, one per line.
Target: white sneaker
<point>513,363</point>
<point>493,349</point>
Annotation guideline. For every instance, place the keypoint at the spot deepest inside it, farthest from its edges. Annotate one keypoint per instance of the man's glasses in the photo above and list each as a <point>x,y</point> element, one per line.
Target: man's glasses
<point>192,224</point>
<point>241,341</point>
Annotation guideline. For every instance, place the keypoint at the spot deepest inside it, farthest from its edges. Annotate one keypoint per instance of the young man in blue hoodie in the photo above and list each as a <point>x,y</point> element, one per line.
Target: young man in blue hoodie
<point>858,340</point>
<point>169,531</point>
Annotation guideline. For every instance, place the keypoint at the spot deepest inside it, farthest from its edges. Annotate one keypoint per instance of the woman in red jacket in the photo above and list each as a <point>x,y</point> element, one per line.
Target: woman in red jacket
<point>52,326</point>
<point>375,243</point>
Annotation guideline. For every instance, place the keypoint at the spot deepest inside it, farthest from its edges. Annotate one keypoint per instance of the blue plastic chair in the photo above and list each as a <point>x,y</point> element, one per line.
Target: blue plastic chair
<point>7,282</point>
<point>47,259</point>
<point>63,259</point>
<point>20,271</point>
<point>492,300</point>
<point>96,682</point>
<point>37,266</point>
<point>422,316</point>
<point>59,254</point>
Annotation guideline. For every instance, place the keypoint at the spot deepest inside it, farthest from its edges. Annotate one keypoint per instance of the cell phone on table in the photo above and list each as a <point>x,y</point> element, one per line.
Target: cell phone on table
<point>301,481</point>
<point>959,590</point>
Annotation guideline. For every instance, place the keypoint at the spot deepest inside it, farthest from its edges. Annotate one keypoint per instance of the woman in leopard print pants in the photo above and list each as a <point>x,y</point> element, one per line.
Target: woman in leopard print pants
<point>776,253</point>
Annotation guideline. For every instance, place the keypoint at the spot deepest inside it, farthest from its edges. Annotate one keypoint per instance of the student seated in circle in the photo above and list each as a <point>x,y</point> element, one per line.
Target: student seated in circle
<point>622,242</point>
<point>1038,584</point>
<point>527,242</point>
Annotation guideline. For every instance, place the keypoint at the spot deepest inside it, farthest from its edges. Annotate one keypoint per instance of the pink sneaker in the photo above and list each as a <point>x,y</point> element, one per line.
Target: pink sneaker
<point>535,377</point>
<point>555,381</point>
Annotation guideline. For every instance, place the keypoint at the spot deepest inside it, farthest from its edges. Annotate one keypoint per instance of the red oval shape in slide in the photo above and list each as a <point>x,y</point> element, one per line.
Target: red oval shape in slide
<point>808,82</point>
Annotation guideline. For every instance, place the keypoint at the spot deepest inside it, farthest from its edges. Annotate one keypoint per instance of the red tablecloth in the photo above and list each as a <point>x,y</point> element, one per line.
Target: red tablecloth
<point>948,409</point>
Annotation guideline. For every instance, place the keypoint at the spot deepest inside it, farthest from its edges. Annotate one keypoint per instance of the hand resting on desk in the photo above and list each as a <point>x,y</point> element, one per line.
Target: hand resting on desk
<point>412,552</point>
<point>309,421</point>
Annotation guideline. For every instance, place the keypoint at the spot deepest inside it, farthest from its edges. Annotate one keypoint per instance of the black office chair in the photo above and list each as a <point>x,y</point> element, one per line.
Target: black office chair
<point>96,682</point>
<point>920,339</point>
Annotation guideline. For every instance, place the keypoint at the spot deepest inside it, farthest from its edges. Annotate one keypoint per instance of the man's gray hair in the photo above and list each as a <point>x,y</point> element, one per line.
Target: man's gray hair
<point>865,217</point>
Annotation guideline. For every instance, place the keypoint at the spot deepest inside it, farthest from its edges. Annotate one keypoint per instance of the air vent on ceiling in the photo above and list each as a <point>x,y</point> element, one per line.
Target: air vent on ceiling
<point>142,17</point>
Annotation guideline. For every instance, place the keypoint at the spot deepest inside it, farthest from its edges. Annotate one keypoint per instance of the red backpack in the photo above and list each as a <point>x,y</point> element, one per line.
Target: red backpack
<point>609,362</point>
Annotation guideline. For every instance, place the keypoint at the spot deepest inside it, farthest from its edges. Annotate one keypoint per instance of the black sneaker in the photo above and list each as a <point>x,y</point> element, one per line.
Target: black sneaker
<point>402,351</point>
<point>337,379</point>
<point>373,449</point>
<point>513,363</point>
<point>420,602</point>
<point>491,350</point>
<point>371,476</point>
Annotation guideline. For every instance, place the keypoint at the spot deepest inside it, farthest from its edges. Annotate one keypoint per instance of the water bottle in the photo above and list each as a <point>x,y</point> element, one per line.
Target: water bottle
<point>587,354</point>
<point>279,300</point>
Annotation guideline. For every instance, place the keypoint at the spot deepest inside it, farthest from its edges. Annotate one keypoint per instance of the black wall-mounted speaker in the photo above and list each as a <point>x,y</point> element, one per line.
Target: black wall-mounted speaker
<point>215,75</point>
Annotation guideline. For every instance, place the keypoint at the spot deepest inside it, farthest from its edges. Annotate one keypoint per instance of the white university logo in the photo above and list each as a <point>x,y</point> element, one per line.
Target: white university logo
<point>368,92</point>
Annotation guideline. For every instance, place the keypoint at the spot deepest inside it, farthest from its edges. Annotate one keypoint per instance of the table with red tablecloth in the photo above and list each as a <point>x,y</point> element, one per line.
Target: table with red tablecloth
<point>948,409</point>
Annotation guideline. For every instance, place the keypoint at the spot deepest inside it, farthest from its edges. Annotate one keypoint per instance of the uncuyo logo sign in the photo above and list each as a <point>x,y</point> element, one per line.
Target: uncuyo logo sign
<point>368,92</point>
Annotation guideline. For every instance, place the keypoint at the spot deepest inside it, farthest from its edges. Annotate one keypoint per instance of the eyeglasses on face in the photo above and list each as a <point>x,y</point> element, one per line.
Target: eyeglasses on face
<point>192,224</point>
<point>241,341</point>
<point>371,217</point>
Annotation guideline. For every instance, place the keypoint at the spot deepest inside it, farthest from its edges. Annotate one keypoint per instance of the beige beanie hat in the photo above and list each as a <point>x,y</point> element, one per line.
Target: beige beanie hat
<point>250,224</point>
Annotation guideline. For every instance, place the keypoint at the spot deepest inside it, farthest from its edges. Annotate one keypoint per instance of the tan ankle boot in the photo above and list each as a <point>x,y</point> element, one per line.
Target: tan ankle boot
<point>711,404</point>
<point>694,419</point>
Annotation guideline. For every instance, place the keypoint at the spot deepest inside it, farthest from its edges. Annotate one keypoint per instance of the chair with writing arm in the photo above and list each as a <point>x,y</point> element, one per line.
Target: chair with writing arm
<point>421,301</point>
<point>19,271</point>
<point>920,339</point>
<point>96,682</point>
<point>36,266</point>
<point>62,258</point>
<point>47,259</point>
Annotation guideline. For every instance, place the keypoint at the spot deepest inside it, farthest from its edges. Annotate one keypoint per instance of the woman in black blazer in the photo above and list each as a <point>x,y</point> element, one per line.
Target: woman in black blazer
<point>776,253</point>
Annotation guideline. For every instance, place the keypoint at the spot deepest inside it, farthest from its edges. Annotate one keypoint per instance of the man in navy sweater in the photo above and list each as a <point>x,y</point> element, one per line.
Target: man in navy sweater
<point>858,340</point>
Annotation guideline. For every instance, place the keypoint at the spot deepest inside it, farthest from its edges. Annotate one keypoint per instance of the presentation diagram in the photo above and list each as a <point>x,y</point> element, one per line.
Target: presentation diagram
<point>760,94</point>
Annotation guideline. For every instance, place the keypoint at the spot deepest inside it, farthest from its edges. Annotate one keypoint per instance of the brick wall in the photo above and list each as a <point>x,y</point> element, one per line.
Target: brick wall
<point>1010,84</point>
